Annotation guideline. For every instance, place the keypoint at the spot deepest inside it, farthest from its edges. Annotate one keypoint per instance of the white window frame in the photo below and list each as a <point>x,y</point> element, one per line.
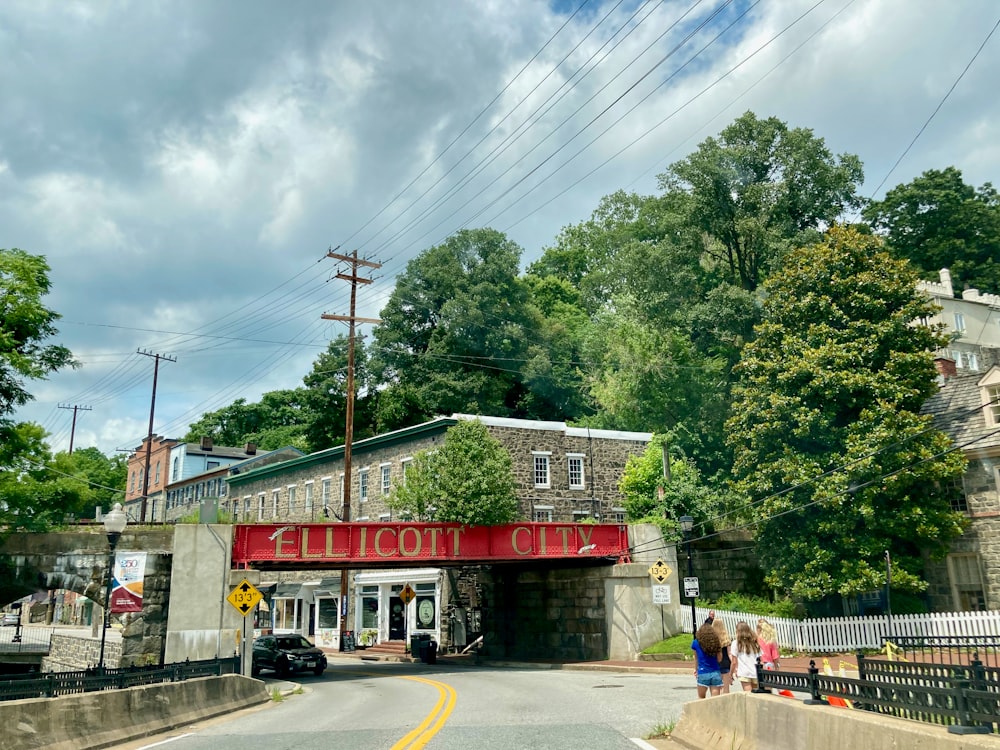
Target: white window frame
<point>363,485</point>
<point>959,322</point>
<point>580,515</point>
<point>385,471</point>
<point>308,500</point>
<point>324,491</point>
<point>275,497</point>
<point>958,586</point>
<point>541,459</point>
<point>291,498</point>
<point>617,515</point>
<point>260,505</point>
<point>384,517</point>
<point>542,514</point>
<point>405,464</point>
<point>570,459</point>
<point>991,392</point>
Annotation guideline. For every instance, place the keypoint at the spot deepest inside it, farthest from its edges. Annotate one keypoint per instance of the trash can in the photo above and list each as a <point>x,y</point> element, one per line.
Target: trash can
<point>432,652</point>
<point>418,645</point>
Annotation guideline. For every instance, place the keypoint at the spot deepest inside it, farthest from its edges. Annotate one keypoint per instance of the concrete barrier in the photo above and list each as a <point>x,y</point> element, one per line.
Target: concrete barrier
<point>93,720</point>
<point>746,721</point>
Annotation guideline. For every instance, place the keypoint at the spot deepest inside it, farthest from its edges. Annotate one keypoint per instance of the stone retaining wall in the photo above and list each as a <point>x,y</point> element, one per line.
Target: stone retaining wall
<point>69,653</point>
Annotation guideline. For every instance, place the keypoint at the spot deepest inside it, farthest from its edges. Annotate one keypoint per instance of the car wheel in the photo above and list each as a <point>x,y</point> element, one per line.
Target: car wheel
<point>254,670</point>
<point>318,670</point>
<point>282,667</point>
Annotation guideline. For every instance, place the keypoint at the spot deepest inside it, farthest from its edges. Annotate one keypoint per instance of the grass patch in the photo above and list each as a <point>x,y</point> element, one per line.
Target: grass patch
<point>276,695</point>
<point>678,644</point>
<point>661,730</point>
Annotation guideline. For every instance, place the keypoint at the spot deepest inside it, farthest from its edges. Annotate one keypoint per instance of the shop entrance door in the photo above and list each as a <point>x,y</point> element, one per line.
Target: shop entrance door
<point>397,619</point>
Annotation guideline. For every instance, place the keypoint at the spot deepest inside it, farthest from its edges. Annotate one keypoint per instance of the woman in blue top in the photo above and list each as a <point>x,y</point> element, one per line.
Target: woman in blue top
<point>706,647</point>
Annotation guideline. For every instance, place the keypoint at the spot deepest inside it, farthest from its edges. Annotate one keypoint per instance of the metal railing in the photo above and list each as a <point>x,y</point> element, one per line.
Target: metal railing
<point>963,697</point>
<point>52,684</point>
<point>21,640</point>
<point>949,649</point>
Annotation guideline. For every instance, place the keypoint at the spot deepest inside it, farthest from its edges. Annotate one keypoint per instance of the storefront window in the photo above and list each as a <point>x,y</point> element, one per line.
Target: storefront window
<point>369,607</point>
<point>328,613</point>
<point>284,614</point>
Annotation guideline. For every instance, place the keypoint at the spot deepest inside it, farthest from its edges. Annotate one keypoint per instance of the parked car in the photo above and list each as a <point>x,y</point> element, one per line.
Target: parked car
<point>11,618</point>
<point>286,654</point>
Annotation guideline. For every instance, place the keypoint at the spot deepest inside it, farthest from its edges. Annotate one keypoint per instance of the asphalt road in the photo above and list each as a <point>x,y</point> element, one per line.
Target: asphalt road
<point>443,707</point>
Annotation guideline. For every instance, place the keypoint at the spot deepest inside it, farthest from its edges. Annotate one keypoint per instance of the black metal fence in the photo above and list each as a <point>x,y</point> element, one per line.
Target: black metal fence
<point>963,697</point>
<point>51,684</point>
<point>21,640</point>
<point>949,649</point>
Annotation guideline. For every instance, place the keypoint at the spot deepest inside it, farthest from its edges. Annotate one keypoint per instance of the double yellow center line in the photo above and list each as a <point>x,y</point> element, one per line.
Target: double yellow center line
<point>432,723</point>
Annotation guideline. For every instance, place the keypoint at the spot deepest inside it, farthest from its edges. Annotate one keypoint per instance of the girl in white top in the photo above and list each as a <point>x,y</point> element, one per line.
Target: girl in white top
<point>744,651</point>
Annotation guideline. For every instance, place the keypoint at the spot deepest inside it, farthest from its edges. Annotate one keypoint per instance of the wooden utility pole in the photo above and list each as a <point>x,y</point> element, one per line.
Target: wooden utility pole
<point>149,433</point>
<point>72,431</point>
<point>352,320</point>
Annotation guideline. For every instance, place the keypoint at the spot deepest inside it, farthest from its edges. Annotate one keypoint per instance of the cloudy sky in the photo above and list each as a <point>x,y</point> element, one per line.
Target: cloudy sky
<point>184,166</point>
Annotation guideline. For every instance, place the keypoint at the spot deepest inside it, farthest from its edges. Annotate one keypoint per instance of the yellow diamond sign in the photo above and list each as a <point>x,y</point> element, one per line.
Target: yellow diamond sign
<point>244,597</point>
<point>407,594</point>
<point>660,571</point>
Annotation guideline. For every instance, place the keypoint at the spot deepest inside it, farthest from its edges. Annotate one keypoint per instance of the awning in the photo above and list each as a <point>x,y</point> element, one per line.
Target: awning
<point>328,587</point>
<point>288,590</point>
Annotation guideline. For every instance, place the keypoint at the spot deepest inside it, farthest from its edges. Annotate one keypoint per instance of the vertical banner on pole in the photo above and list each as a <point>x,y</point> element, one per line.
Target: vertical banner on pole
<point>127,581</point>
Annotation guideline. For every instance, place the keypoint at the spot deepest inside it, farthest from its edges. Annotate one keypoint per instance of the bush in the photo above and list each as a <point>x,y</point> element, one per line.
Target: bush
<point>757,605</point>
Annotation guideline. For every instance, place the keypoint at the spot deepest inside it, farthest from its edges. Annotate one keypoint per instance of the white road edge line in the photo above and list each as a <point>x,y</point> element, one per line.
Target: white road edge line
<point>642,743</point>
<point>164,742</point>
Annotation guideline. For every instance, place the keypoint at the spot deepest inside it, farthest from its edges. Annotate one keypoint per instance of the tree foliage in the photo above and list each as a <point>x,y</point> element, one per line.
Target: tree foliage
<point>757,186</point>
<point>469,480</point>
<point>938,221</point>
<point>830,450</point>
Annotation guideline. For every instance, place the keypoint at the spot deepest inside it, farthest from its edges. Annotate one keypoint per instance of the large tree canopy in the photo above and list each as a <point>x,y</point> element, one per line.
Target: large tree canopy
<point>456,330</point>
<point>831,453</point>
<point>757,186</point>
<point>937,221</point>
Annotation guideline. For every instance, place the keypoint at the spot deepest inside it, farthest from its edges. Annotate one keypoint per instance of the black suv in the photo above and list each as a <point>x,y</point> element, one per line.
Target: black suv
<point>286,654</point>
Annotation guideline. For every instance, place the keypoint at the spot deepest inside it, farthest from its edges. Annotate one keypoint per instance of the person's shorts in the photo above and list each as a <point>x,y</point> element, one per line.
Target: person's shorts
<point>710,679</point>
<point>751,680</point>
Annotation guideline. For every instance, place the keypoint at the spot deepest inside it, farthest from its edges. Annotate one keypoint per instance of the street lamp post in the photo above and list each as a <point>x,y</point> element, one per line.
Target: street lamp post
<point>687,524</point>
<point>114,524</point>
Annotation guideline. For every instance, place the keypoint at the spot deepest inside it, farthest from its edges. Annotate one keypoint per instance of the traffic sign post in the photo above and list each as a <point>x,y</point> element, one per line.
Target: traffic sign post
<point>691,588</point>
<point>660,571</point>
<point>407,595</point>
<point>244,598</point>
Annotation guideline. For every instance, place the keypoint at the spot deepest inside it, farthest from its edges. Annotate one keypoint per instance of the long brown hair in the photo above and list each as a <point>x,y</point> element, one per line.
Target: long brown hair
<point>708,640</point>
<point>746,639</point>
<point>720,630</point>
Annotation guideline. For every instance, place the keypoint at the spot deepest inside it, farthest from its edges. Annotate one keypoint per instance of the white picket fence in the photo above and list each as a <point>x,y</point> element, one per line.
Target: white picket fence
<point>841,634</point>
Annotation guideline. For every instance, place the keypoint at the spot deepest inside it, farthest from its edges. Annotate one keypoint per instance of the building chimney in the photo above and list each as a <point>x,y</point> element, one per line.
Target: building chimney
<point>945,367</point>
<point>206,443</point>
<point>250,449</point>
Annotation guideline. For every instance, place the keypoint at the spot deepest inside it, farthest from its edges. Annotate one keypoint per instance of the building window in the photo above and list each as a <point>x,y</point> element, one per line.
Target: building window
<point>291,499</point>
<point>176,469</point>
<point>404,467</point>
<point>211,464</point>
<point>384,517</point>
<point>260,507</point>
<point>142,473</point>
<point>542,514</point>
<point>617,515</point>
<point>966,583</point>
<point>131,483</point>
<point>386,478</point>
<point>246,508</point>
<point>993,404</point>
<point>324,492</point>
<point>541,469</point>
<point>363,485</point>
<point>579,516</point>
<point>275,495</point>
<point>575,467</point>
<point>956,495</point>
<point>309,498</point>
<point>157,472</point>
<point>959,323</point>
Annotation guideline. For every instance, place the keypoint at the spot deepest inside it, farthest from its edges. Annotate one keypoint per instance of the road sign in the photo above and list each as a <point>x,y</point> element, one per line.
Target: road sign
<point>691,590</point>
<point>244,597</point>
<point>407,594</point>
<point>660,571</point>
<point>661,594</point>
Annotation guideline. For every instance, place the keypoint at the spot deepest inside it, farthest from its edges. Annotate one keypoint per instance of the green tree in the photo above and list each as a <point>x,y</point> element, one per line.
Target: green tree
<point>650,497</point>
<point>831,454</point>
<point>101,480</point>
<point>280,418</point>
<point>26,324</point>
<point>758,186</point>
<point>937,221</point>
<point>455,330</point>
<point>325,398</point>
<point>469,480</point>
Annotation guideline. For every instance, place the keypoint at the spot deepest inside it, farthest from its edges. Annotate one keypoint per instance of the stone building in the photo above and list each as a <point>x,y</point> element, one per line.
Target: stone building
<point>562,474</point>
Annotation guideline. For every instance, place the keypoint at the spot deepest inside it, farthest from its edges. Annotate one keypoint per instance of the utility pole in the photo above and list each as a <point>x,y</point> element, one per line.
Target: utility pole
<point>149,433</point>
<point>352,320</point>
<point>72,431</point>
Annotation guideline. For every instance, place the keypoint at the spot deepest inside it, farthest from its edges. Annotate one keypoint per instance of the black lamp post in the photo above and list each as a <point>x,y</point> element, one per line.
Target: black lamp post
<point>114,524</point>
<point>687,524</point>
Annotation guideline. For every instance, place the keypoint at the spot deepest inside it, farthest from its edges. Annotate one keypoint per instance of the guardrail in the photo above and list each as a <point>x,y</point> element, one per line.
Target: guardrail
<point>949,649</point>
<point>964,697</point>
<point>19,640</point>
<point>52,684</point>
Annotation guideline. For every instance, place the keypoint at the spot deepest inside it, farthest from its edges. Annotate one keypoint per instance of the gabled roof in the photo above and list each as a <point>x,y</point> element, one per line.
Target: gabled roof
<point>957,410</point>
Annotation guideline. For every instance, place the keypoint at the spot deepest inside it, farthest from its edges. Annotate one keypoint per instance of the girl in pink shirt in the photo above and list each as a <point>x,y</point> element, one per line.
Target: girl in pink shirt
<point>767,637</point>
